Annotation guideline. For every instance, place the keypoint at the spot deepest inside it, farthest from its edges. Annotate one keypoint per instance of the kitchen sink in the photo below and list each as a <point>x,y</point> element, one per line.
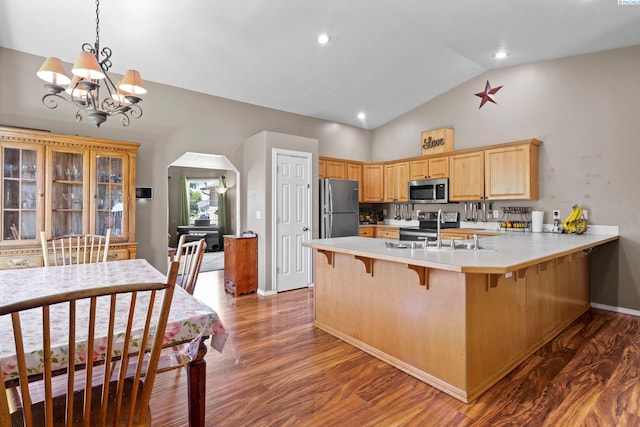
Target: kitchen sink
<point>447,245</point>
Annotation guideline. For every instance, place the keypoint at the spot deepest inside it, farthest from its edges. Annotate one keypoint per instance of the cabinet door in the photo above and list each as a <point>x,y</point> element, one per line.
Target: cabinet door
<point>335,169</point>
<point>110,195</point>
<point>466,176</point>
<point>322,169</point>
<point>390,183</point>
<point>509,173</point>
<point>354,173</point>
<point>372,182</point>
<point>67,173</point>
<point>419,169</point>
<point>402,181</point>
<point>439,167</point>
<point>22,193</point>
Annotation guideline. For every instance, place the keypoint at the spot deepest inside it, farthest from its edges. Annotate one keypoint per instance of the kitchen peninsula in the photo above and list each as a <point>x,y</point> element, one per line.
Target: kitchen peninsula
<point>457,319</point>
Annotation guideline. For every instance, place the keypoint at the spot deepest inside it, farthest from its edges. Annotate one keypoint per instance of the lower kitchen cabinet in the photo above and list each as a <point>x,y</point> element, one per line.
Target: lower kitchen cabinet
<point>365,231</point>
<point>388,232</point>
<point>240,264</point>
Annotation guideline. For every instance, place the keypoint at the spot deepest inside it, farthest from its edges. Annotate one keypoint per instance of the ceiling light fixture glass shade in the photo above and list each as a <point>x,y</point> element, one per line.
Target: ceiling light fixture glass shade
<point>89,77</point>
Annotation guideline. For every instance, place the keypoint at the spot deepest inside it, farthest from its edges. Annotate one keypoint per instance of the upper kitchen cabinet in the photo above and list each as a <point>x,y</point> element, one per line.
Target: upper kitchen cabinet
<point>503,172</point>
<point>373,182</point>
<point>466,176</point>
<point>335,169</point>
<point>429,168</point>
<point>512,172</point>
<point>354,173</point>
<point>64,185</point>
<point>396,178</point>
<point>322,168</point>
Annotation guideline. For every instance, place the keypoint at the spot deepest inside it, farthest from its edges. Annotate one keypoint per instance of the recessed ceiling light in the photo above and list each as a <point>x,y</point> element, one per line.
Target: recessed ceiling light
<point>323,38</point>
<point>501,55</point>
<point>362,116</point>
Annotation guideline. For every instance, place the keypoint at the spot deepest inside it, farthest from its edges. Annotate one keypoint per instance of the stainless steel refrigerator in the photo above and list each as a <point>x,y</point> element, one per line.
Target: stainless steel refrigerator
<point>338,208</point>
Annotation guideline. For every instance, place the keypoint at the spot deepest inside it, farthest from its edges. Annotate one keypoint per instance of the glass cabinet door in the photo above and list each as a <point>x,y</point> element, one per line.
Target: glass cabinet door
<point>110,196</point>
<point>21,193</point>
<point>67,193</point>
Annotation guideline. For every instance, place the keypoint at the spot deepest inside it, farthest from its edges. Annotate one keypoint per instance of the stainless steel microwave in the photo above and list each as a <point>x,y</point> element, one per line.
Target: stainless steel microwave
<point>429,191</point>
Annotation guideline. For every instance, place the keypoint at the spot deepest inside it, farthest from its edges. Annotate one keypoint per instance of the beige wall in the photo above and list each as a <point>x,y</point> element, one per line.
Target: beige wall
<point>586,110</point>
<point>257,182</point>
<point>174,121</point>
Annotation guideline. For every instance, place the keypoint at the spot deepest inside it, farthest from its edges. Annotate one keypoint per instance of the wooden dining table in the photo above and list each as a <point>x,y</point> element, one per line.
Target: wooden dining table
<point>190,321</point>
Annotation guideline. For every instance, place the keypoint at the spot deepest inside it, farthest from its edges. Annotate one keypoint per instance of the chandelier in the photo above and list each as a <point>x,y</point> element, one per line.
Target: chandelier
<point>89,76</point>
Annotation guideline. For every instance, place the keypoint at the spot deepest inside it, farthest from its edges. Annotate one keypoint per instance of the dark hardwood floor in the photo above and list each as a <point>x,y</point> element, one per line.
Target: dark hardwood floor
<point>278,370</point>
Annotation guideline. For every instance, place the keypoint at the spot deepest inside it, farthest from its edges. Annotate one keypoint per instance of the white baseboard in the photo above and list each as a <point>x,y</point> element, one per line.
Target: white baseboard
<point>616,309</point>
<point>266,293</point>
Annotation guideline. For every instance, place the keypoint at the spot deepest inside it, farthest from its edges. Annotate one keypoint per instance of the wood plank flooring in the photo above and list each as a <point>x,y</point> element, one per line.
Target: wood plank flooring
<point>278,370</point>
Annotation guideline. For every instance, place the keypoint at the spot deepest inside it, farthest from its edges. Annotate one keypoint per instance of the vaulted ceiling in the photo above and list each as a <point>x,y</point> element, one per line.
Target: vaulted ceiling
<point>384,57</point>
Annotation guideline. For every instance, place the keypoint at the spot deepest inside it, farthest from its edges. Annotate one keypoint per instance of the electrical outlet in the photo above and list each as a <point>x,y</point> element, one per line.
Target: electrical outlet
<point>496,213</point>
<point>556,214</point>
<point>585,214</point>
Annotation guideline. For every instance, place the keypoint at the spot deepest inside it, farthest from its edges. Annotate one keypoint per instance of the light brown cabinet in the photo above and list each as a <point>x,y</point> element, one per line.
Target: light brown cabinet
<point>322,168</point>
<point>506,172</point>
<point>396,177</point>
<point>354,173</point>
<point>240,264</point>
<point>466,176</point>
<point>63,185</point>
<point>364,231</point>
<point>429,168</point>
<point>335,169</point>
<point>511,172</point>
<point>387,232</point>
<point>373,182</point>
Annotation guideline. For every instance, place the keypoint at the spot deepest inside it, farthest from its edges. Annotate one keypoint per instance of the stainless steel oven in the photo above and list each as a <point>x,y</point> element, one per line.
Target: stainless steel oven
<point>428,229</point>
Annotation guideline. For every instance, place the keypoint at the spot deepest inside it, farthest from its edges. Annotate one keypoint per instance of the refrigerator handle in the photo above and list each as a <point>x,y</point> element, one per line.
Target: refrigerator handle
<point>330,198</point>
<point>330,226</point>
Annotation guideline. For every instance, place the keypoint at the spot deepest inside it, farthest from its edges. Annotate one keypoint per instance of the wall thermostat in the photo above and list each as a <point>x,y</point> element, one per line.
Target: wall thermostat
<point>144,193</point>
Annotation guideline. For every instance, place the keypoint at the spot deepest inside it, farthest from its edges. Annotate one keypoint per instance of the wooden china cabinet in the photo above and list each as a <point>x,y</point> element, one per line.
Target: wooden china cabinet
<point>64,184</point>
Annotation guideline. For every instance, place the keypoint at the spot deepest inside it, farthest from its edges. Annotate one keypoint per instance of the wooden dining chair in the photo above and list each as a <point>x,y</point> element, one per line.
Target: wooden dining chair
<point>106,395</point>
<point>75,248</point>
<point>189,256</point>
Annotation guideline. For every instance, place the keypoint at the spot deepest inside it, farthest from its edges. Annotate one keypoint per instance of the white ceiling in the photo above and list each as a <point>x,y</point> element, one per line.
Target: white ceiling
<point>385,56</point>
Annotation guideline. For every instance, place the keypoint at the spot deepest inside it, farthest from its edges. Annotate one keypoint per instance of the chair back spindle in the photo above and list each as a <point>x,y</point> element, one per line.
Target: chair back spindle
<point>75,248</point>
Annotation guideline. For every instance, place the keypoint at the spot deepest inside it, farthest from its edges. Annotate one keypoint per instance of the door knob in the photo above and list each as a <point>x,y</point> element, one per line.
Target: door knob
<point>305,228</point>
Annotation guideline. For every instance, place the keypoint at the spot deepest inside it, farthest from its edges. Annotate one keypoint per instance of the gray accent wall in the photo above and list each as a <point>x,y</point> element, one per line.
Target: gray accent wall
<point>586,110</point>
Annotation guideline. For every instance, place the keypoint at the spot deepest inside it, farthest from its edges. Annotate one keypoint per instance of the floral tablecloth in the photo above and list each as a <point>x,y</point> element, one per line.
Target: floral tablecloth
<point>189,319</point>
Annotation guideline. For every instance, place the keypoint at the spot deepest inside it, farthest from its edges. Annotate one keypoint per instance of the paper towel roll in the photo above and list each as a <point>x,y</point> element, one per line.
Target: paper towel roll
<point>536,221</point>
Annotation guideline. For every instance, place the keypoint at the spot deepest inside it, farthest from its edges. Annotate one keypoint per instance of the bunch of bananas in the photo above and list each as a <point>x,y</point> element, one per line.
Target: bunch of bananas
<point>575,223</point>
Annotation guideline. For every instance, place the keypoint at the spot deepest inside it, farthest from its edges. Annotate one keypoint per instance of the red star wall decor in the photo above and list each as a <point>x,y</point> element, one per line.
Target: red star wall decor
<point>488,93</point>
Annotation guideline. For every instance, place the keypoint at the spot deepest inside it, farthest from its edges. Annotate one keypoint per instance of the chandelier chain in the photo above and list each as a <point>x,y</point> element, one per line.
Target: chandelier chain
<point>97,23</point>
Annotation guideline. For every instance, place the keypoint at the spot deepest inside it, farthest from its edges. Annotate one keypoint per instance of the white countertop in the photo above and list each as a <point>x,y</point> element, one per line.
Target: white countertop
<point>504,253</point>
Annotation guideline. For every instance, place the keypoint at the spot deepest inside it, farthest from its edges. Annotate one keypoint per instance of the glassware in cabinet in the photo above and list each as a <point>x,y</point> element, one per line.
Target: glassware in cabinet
<point>110,195</point>
<point>67,193</point>
<point>21,192</point>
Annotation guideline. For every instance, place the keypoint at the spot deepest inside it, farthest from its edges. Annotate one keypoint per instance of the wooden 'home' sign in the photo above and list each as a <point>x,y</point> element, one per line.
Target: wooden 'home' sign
<point>436,141</point>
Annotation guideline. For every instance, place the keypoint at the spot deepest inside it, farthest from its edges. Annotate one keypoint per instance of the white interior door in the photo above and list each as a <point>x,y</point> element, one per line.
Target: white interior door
<point>293,219</point>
